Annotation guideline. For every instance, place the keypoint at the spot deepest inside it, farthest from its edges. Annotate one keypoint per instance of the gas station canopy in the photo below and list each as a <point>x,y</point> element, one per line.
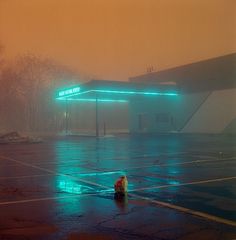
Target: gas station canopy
<point>117,91</point>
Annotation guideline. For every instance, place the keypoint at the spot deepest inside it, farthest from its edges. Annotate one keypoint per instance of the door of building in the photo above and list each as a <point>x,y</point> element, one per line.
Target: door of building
<point>142,122</point>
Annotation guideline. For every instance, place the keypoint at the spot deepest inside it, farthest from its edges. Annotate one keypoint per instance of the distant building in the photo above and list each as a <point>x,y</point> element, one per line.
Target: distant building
<point>206,102</point>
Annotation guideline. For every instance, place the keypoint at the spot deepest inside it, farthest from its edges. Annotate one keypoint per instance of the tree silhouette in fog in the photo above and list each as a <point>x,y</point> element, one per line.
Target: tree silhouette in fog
<point>28,85</point>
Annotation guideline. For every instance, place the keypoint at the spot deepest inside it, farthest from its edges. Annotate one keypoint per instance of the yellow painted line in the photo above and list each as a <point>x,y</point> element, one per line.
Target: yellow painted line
<point>185,184</point>
<point>187,210</point>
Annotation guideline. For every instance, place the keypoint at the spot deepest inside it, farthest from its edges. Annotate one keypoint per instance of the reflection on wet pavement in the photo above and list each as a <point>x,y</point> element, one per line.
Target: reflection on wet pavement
<point>66,185</point>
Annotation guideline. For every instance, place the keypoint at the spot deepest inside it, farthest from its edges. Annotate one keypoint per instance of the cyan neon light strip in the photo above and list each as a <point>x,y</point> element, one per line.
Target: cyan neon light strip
<point>71,92</point>
<point>101,173</point>
<point>134,92</point>
<point>93,100</point>
<point>63,97</point>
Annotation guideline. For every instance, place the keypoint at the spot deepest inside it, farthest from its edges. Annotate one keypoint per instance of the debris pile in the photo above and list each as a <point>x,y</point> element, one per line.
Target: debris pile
<point>15,137</point>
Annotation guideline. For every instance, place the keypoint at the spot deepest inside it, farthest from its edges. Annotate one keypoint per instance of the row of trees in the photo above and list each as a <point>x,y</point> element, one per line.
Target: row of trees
<point>27,90</point>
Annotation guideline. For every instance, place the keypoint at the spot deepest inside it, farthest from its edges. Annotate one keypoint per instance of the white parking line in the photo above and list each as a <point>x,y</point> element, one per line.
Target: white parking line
<point>116,170</point>
<point>163,204</point>
<point>178,163</point>
<point>137,167</point>
<point>53,172</point>
<point>27,176</point>
<point>205,156</point>
<point>187,210</point>
<point>184,184</point>
<point>78,161</point>
<point>46,199</point>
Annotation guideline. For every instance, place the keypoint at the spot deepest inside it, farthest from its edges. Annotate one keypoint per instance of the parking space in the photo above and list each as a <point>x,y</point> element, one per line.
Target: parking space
<point>68,184</point>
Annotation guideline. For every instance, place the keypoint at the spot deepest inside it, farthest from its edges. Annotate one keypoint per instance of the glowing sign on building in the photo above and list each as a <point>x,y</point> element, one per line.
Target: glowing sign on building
<point>111,92</point>
<point>70,92</point>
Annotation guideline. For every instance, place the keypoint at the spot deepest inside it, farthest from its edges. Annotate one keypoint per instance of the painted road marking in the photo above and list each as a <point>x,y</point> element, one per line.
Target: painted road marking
<point>164,204</point>
<point>178,163</point>
<point>51,163</point>
<point>86,174</point>
<point>161,164</point>
<point>165,164</point>
<point>187,210</point>
<point>47,198</point>
<point>144,166</point>
<point>184,184</point>
<point>53,172</point>
<point>27,176</point>
<point>205,156</point>
<point>74,160</point>
<point>116,170</point>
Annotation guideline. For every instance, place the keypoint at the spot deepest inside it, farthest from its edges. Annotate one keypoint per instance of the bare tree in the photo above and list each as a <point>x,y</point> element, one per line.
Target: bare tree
<point>27,86</point>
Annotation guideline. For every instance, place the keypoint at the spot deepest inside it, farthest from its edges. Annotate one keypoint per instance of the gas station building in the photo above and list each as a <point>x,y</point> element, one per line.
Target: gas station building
<point>194,98</point>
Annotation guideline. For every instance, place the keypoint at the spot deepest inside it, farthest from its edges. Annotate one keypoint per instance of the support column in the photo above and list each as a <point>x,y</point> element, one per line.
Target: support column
<point>104,128</point>
<point>66,117</point>
<point>97,125</point>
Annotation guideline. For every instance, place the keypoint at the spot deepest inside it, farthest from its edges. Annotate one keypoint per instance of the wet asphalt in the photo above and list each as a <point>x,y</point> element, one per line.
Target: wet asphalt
<point>62,188</point>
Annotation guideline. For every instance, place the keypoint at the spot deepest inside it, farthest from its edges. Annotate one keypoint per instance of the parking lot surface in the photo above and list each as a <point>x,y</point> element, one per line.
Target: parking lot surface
<point>180,187</point>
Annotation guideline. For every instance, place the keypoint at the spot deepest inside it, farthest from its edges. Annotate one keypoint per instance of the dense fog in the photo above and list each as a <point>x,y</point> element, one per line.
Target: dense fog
<point>28,86</point>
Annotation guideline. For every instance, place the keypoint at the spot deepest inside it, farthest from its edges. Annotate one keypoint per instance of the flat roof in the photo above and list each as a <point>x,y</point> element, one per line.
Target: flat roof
<point>207,75</point>
<point>106,90</point>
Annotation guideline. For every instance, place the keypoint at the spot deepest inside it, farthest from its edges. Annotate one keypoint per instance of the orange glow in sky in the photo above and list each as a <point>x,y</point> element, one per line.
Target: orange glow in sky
<point>117,39</point>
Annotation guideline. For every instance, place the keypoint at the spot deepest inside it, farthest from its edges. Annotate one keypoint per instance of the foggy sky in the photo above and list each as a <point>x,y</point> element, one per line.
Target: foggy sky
<point>117,39</point>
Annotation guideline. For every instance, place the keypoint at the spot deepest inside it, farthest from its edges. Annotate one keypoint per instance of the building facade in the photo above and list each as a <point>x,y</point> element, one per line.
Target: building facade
<point>206,102</point>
